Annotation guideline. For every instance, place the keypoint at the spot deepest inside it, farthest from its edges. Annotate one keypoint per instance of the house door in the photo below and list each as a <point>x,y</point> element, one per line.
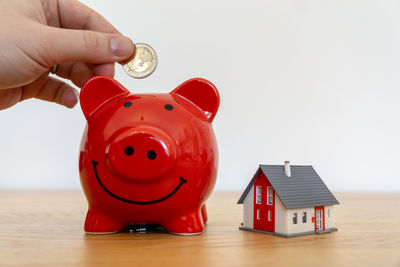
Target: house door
<point>318,215</point>
<point>319,218</point>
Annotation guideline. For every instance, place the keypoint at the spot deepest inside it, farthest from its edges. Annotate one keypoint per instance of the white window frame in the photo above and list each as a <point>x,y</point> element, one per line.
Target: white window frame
<point>294,218</point>
<point>270,195</point>
<point>258,194</point>
<point>258,214</point>
<point>269,216</point>
<point>304,217</point>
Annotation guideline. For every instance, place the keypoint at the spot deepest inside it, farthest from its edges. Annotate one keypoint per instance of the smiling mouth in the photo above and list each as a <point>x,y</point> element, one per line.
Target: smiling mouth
<point>182,181</point>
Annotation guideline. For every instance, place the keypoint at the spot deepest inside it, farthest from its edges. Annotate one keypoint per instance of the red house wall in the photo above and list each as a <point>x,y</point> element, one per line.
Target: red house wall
<point>262,223</point>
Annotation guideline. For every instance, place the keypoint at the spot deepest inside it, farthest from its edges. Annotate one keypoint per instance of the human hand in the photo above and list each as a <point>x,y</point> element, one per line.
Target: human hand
<point>37,34</point>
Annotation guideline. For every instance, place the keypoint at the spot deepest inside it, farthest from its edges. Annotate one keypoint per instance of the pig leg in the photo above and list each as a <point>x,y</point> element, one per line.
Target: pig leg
<point>98,223</point>
<point>187,224</point>
<point>204,213</point>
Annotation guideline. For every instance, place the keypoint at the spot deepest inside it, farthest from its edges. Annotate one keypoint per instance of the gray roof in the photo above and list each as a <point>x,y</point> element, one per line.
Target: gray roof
<point>303,189</point>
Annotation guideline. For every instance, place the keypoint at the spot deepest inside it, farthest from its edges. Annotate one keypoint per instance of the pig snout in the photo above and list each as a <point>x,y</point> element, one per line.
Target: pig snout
<point>140,154</point>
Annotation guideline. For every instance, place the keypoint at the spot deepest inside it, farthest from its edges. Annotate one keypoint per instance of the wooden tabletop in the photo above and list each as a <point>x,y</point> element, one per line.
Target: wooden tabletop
<point>45,228</point>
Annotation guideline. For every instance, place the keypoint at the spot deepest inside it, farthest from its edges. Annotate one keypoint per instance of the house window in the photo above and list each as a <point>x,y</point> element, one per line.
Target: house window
<point>258,214</point>
<point>269,216</point>
<point>295,218</point>
<point>328,213</point>
<point>270,194</point>
<point>304,217</point>
<point>258,194</point>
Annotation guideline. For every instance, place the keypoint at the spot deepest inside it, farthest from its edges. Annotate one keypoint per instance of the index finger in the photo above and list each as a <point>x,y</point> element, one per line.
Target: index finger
<point>72,14</point>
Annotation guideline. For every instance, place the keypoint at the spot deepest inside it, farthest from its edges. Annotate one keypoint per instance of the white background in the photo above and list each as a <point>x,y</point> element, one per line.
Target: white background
<point>314,82</point>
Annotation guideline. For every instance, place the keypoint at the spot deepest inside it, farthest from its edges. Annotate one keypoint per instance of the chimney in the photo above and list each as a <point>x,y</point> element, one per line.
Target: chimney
<point>287,168</point>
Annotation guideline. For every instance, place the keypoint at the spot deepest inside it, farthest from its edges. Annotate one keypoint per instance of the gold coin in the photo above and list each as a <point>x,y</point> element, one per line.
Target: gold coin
<point>143,64</point>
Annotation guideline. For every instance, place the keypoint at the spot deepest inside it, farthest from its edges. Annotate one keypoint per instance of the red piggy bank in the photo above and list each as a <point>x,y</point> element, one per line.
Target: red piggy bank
<point>148,158</point>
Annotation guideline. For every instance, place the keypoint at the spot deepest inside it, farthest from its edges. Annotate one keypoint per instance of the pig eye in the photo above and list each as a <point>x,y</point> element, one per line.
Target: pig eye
<point>128,104</point>
<point>129,150</point>
<point>151,154</point>
<point>169,107</point>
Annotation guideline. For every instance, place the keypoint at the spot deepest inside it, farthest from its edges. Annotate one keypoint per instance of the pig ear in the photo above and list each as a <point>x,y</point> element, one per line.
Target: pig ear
<point>97,91</point>
<point>201,93</point>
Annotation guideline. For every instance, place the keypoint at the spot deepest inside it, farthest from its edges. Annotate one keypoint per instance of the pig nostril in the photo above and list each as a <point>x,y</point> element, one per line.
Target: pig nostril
<point>129,150</point>
<point>151,154</point>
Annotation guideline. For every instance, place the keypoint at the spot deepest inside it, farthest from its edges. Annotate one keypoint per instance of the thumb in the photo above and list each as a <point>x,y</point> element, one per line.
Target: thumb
<point>65,45</point>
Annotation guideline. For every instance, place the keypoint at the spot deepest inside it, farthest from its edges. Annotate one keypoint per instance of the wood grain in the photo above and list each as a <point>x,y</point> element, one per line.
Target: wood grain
<point>44,228</point>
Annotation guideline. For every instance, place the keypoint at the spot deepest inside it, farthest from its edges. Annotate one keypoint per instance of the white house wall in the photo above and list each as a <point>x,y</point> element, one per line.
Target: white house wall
<point>284,220</point>
<point>281,224</point>
<point>300,227</point>
<point>248,209</point>
<point>329,217</point>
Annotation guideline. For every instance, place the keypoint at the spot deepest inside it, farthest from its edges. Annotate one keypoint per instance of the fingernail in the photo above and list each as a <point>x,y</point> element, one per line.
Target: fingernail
<point>121,46</point>
<point>69,98</point>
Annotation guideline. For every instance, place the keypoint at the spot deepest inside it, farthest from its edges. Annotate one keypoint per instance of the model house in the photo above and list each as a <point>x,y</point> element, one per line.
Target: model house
<point>287,201</point>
